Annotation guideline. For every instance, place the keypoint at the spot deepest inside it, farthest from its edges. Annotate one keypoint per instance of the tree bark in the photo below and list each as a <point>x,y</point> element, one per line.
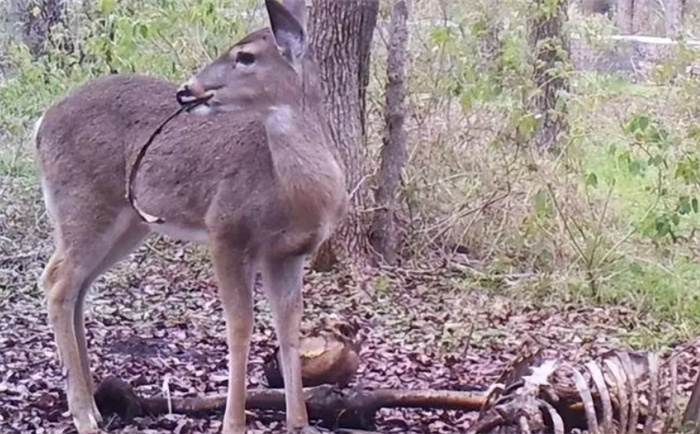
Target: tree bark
<point>346,408</point>
<point>354,408</point>
<point>35,19</point>
<point>625,16</point>
<point>550,48</point>
<point>490,45</point>
<point>341,34</point>
<point>603,7</point>
<point>641,15</point>
<point>393,154</point>
<point>673,16</point>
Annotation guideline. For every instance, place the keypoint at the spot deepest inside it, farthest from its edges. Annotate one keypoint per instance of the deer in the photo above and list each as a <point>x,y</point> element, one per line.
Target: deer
<point>250,171</point>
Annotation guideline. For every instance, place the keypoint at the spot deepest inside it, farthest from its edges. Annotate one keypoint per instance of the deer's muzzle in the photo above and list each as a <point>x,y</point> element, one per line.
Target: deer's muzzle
<point>191,92</point>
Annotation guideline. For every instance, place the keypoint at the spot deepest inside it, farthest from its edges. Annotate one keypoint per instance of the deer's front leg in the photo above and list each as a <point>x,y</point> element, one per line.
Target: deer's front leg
<point>235,273</point>
<point>282,279</point>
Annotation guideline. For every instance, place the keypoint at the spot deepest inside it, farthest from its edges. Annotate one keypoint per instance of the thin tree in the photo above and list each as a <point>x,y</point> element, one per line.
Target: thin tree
<point>341,34</point>
<point>603,7</point>
<point>393,155</point>
<point>641,16</point>
<point>673,15</point>
<point>34,19</point>
<point>624,16</point>
<point>550,48</point>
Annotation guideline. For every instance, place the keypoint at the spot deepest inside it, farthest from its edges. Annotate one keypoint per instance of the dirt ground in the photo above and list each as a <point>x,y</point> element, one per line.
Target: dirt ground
<point>156,318</point>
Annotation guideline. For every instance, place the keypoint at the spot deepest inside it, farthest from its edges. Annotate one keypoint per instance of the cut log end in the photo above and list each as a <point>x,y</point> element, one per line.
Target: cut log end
<point>114,396</point>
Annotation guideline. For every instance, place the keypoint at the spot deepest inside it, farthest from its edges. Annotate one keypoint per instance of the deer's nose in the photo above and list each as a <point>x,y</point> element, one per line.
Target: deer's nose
<point>190,92</point>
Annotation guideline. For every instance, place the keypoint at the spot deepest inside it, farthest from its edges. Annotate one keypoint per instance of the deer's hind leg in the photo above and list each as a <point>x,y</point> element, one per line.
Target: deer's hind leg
<point>84,249</point>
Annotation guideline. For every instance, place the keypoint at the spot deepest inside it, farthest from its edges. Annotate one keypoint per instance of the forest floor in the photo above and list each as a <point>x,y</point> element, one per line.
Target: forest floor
<point>156,317</point>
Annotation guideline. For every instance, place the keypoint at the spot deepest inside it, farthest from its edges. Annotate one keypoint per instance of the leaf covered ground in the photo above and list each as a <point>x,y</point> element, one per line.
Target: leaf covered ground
<point>155,319</point>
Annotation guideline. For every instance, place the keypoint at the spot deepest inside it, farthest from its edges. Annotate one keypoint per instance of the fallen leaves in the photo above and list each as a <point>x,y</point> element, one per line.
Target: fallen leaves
<point>158,314</point>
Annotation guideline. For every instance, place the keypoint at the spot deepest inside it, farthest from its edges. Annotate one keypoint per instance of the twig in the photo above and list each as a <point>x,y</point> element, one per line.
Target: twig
<point>578,249</point>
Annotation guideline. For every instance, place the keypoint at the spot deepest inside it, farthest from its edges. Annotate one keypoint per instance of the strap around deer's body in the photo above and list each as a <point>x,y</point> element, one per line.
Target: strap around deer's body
<point>132,171</point>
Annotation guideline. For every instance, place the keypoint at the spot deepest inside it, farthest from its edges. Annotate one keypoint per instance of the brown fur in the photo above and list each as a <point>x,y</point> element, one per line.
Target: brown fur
<point>52,271</point>
<point>260,184</point>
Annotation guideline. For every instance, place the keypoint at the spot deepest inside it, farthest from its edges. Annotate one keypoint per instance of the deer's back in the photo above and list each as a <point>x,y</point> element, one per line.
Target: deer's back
<point>200,171</point>
<point>88,140</point>
<point>83,140</point>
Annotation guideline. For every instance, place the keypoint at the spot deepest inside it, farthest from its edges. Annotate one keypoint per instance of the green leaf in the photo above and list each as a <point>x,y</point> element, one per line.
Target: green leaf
<point>441,35</point>
<point>542,203</point>
<point>636,268</point>
<point>694,204</point>
<point>675,219</point>
<point>527,124</point>
<point>643,123</point>
<point>591,180</point>
<point>106,7</point>
<point>694,132</point>
<point>142,29</point>
<point>656,160</point>
<point>635,167</point>
<point>466,100</point>
<point>688,169</point>
<point>663,227</point>
<point>639,123</point>
<point>684,206</point>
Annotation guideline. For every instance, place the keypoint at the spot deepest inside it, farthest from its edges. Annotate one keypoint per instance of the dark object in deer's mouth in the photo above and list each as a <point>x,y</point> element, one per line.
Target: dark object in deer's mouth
<point>194,103</point>
<point>186,97</point>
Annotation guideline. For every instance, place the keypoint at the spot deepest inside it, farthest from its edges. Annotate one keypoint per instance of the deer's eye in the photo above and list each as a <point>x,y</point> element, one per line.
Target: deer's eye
<point>245,58</point>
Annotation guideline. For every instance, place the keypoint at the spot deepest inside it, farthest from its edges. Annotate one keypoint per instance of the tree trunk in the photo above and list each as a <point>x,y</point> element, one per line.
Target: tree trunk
<point>341,34</point>
<point>34,19</point>
<point>603,7</point>
<point>625,16</point>
<point>394,150</point>
<point>641,18</point>
<point>672,17</point>
<point>550,48</point>
<point>488,40</point>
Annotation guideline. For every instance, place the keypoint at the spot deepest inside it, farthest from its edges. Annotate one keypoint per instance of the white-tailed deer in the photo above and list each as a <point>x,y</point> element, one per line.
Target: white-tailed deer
<point>254,178</point>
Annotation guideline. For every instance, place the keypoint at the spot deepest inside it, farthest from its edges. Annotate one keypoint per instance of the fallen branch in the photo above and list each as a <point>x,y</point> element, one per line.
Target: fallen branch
<point>354,408</point>
<point>620,389</point>
<point>334,407</point>
<point>652,40</point>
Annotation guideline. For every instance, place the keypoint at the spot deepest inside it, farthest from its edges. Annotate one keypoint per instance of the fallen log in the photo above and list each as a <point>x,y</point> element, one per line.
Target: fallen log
<point>536,395</point>
<point>334,407</point>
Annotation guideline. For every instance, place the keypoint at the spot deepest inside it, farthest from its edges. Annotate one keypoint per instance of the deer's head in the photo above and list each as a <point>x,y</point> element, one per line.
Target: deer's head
<point>261,70</point>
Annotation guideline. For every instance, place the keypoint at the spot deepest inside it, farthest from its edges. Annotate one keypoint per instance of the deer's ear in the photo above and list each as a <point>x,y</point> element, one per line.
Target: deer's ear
<point>289,33</point>
<point>298,9</point>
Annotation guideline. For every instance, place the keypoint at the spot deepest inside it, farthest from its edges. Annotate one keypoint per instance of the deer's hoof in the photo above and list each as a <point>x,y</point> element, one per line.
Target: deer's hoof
<point>308,429</point>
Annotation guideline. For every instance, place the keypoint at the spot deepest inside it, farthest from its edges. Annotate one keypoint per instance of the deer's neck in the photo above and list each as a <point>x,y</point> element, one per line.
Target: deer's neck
<point>310,177</point>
